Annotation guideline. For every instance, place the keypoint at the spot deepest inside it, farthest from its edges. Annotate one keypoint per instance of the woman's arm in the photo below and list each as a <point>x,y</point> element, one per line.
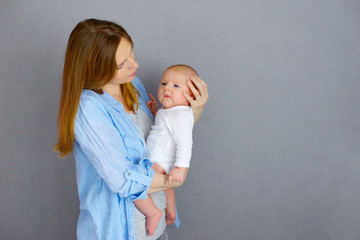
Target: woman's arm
<point>160,182</point>
<point>199,88</point>
<point>104,147</point>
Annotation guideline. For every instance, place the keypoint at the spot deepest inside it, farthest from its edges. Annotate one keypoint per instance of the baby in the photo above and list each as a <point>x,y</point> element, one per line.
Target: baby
<point>169,142</point>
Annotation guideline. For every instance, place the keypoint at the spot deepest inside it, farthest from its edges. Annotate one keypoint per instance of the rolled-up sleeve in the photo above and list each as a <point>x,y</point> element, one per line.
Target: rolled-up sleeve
<point>104,147</point>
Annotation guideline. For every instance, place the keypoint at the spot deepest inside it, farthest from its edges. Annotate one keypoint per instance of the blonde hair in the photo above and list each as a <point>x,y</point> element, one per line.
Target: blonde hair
<point>181,67</point>
<point>90,63</point>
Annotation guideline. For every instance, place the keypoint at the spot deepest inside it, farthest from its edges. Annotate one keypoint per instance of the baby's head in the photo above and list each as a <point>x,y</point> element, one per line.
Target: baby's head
<point>172,85</point>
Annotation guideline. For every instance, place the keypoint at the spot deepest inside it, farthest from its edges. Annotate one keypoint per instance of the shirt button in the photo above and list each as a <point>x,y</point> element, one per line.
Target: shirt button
<point>128,173</point>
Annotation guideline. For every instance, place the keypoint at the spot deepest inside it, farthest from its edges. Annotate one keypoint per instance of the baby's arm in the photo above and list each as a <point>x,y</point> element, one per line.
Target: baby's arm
<point>177,174</point>
<point>152,105</point>
<point>160,182</point>
<point>180,124</point>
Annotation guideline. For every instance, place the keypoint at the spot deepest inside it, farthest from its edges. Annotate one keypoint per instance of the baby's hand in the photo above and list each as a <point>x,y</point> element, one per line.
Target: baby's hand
<point>152,105</point>
<point>177,174</point>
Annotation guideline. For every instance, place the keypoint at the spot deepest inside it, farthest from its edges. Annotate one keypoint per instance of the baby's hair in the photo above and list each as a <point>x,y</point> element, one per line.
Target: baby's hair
<point>181,67</point>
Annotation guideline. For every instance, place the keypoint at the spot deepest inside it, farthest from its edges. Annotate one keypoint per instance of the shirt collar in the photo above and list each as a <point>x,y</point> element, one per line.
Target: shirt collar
<point>112,101</point>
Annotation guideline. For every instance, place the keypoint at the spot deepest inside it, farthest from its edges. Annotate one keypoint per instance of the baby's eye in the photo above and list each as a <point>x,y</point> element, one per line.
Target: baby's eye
<point>163,83</point>
<point>175,85</point>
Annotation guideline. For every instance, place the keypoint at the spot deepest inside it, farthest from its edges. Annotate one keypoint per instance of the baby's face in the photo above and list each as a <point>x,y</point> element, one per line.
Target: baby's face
<point>172,86</point>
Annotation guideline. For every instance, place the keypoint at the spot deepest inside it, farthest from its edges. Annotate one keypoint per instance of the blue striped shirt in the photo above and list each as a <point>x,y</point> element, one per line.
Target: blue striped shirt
<point>111,168</point>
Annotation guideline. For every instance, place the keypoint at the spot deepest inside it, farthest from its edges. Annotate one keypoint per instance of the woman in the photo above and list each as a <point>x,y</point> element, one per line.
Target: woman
<point>103,120</point>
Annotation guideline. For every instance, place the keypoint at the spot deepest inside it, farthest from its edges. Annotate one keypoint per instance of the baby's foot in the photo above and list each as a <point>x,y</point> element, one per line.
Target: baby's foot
<point>152,222</point>
<point>170,217</point>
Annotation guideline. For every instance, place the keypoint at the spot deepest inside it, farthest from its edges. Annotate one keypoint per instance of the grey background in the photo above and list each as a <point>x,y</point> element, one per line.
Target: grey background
<point>276,152</point>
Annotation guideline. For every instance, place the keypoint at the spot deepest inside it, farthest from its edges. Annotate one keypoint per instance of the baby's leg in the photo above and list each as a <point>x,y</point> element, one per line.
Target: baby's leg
<point>158,168</point>
<point>170,206</point>
<point>170,199</point>
<point>152,213</point>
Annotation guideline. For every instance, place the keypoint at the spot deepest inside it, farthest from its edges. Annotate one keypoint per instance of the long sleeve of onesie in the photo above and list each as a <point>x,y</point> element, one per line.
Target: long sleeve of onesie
<point>170,140</point>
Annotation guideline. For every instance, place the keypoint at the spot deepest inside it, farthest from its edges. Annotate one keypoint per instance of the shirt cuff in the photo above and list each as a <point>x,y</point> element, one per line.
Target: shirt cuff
<point>138,177</point>
<point>143,174</point>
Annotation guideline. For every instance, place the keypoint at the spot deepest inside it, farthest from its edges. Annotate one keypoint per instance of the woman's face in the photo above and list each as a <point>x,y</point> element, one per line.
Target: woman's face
<point>126,64</point>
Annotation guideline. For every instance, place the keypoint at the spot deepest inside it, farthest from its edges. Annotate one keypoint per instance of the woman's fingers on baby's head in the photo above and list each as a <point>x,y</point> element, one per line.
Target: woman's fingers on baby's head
<point>188,98</point>
<point>201,86</point>
<point>187,95</point>
<point>193,89</point>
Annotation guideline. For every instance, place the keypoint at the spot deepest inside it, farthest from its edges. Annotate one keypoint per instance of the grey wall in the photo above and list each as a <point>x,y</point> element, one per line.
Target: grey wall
<point>277,150</point>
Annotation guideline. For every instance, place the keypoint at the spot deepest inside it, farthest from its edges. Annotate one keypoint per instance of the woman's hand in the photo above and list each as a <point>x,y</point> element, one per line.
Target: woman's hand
<point>152,105</point>
<point>199,88</point>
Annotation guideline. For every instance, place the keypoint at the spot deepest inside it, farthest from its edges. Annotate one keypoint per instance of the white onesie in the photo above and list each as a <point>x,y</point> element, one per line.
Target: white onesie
<point>169,142</point>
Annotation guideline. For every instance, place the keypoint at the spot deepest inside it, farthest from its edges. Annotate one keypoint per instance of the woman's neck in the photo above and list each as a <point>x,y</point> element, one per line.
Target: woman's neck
<point>115,91</point>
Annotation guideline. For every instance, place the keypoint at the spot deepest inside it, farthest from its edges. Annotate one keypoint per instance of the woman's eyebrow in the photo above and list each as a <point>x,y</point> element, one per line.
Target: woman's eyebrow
<point>122,62</point>
<point>125,59</point>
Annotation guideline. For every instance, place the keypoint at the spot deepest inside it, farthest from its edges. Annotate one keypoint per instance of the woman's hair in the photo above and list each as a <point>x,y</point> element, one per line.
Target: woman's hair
<point>90,63</point>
